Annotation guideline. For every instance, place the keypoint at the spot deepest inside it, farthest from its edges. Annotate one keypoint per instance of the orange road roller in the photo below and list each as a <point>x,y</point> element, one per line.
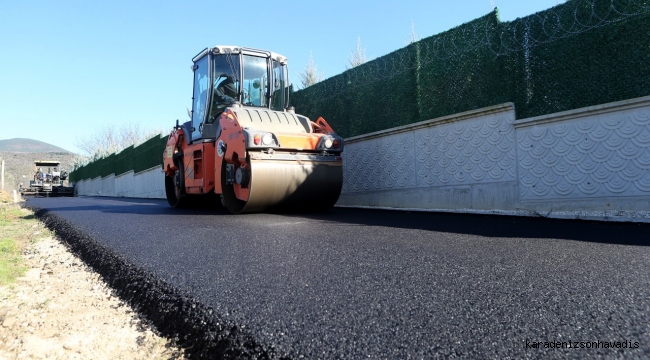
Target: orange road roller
<point>244,148</point>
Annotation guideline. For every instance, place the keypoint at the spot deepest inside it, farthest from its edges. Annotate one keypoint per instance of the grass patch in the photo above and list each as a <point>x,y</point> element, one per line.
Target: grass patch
<point>11,264</point>
<point>18,228</point>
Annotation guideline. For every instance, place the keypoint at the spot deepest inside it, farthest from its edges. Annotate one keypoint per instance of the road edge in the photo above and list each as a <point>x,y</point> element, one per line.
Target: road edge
<point>174,314</point>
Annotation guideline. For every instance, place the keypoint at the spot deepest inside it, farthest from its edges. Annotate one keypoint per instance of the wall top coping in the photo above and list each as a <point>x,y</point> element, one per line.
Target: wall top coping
<point>148,170</point>
<point>628,104</point>
<point>495,109</point>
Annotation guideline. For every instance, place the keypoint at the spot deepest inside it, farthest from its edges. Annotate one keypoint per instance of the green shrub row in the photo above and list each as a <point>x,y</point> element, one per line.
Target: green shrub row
<point>134,158</point>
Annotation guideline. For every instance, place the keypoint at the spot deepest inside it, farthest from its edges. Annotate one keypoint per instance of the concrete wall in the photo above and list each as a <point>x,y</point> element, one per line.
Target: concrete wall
<point>145,184</point>
<point>589,163</point>
<point>467,160</point>
<point>591,159</point>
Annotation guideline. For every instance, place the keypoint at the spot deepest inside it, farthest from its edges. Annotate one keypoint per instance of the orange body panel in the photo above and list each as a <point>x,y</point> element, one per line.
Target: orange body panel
<point>298,141</point>
<point>321,126</point>
<point>172,147</point>
<point>198,160</point>
<point>233,138</point>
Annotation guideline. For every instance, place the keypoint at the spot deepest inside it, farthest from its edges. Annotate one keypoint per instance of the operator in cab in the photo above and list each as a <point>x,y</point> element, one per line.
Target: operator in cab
<point>225,94</point>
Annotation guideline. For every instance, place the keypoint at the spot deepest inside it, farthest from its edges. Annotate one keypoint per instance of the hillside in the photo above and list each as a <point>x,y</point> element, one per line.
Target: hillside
<point>22,145</point>
<point>19,166</point>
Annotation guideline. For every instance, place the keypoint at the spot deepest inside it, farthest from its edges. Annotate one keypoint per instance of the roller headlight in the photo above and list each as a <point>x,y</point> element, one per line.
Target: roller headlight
<point>330,143</point>
<point>267,139</point>
<point>259,139</point>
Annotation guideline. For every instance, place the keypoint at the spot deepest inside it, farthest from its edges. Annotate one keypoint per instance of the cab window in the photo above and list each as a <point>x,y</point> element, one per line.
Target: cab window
<point>200,95</point>
<point>280,87</point>
<point>225,86</point>
<point>255,81</point>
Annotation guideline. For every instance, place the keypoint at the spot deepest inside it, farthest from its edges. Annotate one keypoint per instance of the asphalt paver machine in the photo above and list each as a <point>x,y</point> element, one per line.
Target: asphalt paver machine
<point>48,180</point>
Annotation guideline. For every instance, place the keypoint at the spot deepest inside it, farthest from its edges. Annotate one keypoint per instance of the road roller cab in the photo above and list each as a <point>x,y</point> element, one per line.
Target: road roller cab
<point>244,148</point>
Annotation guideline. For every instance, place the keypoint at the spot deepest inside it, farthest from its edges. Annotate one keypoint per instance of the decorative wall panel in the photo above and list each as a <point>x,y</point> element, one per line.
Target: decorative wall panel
<point>469,151</point>
<point>380,164</point>
<point>597,156</point>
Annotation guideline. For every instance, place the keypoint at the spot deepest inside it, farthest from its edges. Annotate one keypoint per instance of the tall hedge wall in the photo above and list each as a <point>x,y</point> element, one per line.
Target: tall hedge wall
<point>580,53</point>
<point>139,158</point>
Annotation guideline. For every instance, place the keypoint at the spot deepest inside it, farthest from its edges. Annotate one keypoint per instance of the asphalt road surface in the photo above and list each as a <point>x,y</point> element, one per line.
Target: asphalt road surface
<point>353,284</point>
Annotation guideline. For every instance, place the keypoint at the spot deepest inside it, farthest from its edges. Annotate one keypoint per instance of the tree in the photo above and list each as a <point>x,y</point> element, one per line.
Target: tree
<point>413,36</point>
<point>309,75</point>
<point>358,56</point>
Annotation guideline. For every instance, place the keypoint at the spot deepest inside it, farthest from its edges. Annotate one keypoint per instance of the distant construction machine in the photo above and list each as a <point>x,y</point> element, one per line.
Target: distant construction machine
<point>48,180</point>
<point>244,148</point>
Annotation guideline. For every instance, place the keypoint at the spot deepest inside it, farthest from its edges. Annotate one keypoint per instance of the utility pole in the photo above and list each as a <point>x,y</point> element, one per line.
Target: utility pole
<point>3,175</point>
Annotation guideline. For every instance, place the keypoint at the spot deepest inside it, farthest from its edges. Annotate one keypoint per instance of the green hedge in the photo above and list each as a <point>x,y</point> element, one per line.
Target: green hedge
<point>580,53</point>
<point>124,160</point>
<point>149,154</point>
<point>139,158</point>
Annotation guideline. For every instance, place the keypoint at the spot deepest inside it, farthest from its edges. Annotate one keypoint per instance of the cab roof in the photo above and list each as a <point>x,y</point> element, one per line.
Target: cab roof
<point>47,163</point>
<point>236,50</point>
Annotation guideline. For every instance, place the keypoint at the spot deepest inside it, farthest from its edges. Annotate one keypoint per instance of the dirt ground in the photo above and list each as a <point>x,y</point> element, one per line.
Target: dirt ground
<point>61,309</point>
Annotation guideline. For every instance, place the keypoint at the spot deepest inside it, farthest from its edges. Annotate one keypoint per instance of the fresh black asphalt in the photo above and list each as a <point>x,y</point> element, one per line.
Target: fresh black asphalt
<point>353,284</point>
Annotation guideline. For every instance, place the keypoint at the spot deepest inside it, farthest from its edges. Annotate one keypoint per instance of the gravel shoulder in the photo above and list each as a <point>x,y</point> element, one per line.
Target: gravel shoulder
<point>60,308</point>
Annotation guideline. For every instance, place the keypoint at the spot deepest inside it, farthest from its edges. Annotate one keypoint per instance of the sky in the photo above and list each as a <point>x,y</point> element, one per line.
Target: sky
<point>67,68</point>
